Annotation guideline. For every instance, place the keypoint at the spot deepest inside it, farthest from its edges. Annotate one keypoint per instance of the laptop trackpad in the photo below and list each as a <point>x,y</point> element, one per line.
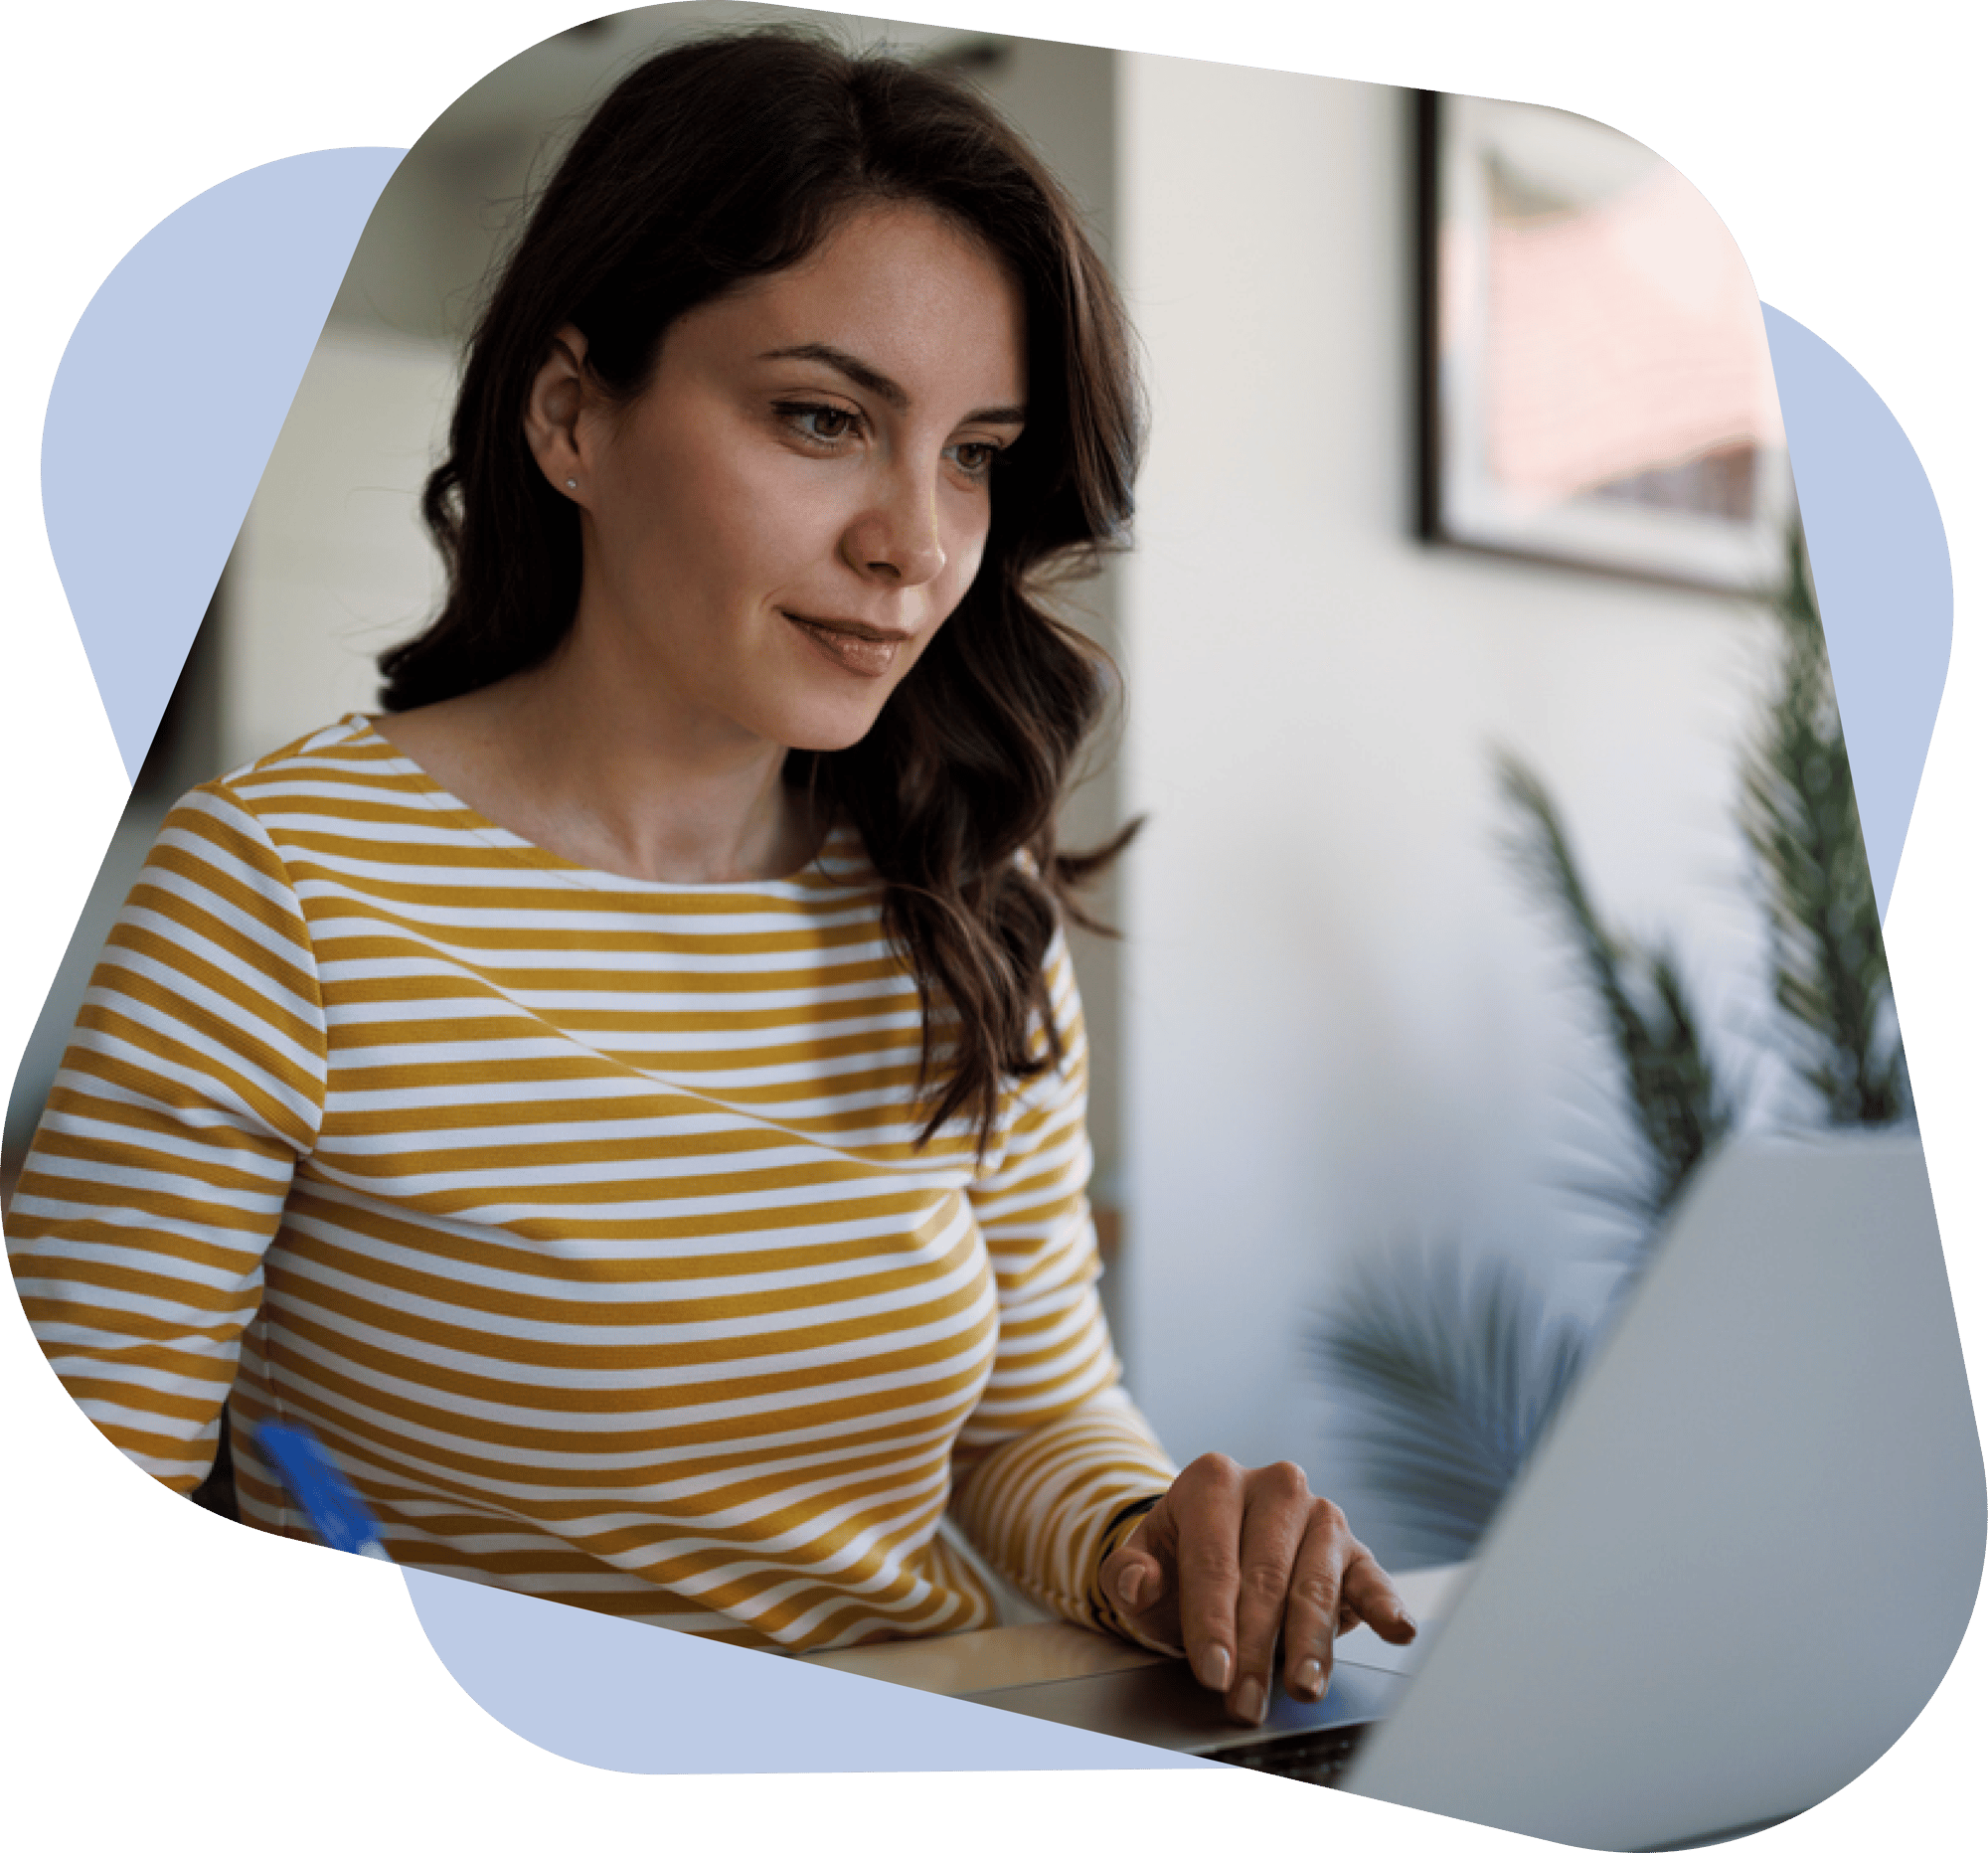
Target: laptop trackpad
<point>1163,1704</point>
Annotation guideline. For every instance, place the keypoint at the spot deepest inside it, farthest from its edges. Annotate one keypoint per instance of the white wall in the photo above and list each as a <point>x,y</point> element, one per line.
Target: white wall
<point>333,564</point>
<point>1344,1024</point>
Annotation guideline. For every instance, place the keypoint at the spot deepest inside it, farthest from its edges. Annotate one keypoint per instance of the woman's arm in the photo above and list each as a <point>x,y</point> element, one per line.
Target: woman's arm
<point>1056,1452</point>
<point>157,1178</point>
<point>1064,1489</point>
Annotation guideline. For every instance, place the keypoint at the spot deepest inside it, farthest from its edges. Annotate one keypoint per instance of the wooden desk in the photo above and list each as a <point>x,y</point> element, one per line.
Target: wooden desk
<point>989,1659</point>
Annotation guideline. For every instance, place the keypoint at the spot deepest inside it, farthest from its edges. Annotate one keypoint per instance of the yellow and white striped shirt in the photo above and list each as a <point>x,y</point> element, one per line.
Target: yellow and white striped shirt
<point>577,1215</point>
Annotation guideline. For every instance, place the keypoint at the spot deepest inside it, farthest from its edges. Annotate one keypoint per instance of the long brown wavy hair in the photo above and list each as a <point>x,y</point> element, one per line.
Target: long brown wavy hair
<point>730,158</point>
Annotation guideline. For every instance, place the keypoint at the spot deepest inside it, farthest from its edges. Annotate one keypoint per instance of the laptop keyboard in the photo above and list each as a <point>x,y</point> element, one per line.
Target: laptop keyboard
<point>1320,1756</point>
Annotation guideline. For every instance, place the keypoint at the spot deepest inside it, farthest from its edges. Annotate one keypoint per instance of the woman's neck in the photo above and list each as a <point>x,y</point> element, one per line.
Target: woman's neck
<point>591,764</point>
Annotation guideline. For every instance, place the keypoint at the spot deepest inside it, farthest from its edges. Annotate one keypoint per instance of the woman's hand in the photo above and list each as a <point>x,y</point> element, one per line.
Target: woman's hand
<point>1228,1559</point>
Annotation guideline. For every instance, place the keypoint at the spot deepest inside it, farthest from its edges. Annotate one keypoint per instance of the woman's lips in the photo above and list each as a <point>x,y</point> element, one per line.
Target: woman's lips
<point>861,652</point>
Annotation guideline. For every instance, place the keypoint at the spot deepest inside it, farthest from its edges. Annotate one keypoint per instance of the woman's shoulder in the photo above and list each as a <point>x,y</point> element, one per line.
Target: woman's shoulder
<point>344,774</point>
<point>346,764</point>
<point>346,750</point>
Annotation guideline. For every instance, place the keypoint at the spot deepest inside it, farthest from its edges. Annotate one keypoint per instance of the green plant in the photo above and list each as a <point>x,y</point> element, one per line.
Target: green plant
<point>1679,1105</point>
<point>1454,1373</point>
<point>1799,812</point>
<point>1451,1372</point>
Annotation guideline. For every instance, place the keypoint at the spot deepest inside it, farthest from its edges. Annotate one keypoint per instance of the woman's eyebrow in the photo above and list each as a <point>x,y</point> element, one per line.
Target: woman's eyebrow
<point>861,373</point>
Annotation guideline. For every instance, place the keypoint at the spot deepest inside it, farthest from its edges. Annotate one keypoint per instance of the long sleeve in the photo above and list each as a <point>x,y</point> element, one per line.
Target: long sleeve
<point>193,1085</point>
<point>1056,1447</point>
<point>582,1220</point>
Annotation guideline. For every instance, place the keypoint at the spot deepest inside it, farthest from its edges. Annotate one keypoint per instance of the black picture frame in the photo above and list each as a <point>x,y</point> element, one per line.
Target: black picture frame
<point>1716,520</point>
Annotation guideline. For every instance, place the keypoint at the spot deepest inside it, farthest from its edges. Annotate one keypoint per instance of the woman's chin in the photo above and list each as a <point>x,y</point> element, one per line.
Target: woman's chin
<point>819,731</point>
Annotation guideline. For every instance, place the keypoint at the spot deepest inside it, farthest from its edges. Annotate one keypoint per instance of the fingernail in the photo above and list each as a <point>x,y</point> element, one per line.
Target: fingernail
<point>1311,1678</point>
<point>1130,1583</point>
<point>1250,1699</point>
<point>1213,1668</point>
<point>1408,1620</point>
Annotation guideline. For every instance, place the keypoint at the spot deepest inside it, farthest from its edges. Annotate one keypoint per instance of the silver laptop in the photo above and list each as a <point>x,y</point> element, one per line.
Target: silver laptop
<point>1727,1582</point>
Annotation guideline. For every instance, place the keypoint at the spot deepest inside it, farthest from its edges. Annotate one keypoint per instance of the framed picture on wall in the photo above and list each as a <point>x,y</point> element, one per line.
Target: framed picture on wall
<point>1596,386</point>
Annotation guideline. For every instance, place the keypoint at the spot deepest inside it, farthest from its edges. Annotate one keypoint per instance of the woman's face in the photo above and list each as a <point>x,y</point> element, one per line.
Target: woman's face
<point>775,530</point>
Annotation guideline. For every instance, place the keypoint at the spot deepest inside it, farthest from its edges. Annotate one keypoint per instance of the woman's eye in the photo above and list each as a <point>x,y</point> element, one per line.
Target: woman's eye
<point>826,424</point>
<point>975,459</point>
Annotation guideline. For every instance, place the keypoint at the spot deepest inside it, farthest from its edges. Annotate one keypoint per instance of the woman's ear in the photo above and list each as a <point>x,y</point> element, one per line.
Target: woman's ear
<point>563,392</point>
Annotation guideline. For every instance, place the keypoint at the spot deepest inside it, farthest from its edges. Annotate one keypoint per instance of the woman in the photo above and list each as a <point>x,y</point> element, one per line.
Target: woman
<point>627,1100</point>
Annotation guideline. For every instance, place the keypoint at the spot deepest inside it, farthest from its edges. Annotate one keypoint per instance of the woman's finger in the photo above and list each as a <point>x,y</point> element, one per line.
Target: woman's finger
<point>1276,1514</point>
<point>1374,1600</point>
<point>1138,1584</point>
<point>1316,1605</point>
<point>1133,1579</point>
<point>1135,1584</point>
<point>1205,1505</point>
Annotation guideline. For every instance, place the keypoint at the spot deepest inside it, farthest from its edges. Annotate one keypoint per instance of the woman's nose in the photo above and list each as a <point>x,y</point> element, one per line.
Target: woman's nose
<point>897,538</point>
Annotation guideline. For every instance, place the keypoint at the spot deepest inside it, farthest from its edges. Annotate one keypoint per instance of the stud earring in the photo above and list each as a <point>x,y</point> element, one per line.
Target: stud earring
<point>571,483</point>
